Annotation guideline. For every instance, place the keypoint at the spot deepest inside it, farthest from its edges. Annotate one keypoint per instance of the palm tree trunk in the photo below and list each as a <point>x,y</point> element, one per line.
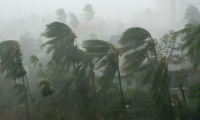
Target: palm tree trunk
<point>95,95</point>
<point>27,107</point>
<point>77,106</point>
<point>121,92</point>
<point>170,107</point>
<point>53,103</point>
<point>156,56</point>
<point>183,94</point>
<point>28,87</point>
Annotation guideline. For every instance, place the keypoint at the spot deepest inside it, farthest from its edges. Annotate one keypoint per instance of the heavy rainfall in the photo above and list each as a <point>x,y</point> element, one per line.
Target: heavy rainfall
<point>100,60</point>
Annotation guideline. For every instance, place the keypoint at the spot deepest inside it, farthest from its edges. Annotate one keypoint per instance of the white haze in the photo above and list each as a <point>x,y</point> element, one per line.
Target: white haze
<point>25,16</point>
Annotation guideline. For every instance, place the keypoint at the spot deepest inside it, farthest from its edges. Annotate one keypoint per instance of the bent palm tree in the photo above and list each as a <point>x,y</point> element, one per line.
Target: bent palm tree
<point>140,54</point>
<point>190,35</point>
<point>141,57</point>
<point>160,91</point>
<point>74,22</point>
<point>61,44</point>
<point>11,64</point>
<point>65,53</point>
<point>107,57</point>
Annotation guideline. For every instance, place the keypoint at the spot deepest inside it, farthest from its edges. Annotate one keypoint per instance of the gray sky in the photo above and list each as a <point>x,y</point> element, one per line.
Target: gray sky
<point>131,13</point>
<point>103,8</point>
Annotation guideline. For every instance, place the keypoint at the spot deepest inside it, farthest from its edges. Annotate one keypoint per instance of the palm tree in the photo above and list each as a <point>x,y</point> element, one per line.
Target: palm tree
<point>73,22</point>
<point>140,54</point>
<point>107,57</point>
<point>89,12</point>
<point>47,89</point>
<point>65,53</point>
<point>160,91</point>
<point>34,60</point>
<point>11,64</point>
<point>190,35</point>
<point>62,44</point>
<point>141,57</point>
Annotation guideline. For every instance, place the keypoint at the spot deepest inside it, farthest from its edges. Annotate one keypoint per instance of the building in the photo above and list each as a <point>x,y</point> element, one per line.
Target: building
<point>184,77</point>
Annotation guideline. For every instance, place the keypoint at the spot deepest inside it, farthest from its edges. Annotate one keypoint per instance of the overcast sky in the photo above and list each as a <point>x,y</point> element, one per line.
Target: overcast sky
<point>104,8</point>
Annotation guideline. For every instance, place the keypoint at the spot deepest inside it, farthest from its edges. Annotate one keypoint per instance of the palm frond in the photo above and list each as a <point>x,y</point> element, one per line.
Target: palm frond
<point>58,30</point>
<point>61,44</point>
<point>133,61</point>
<point>109,73</point>
<point>44,82</point>
<point>192,15</point>
<point>134,35</point>
<point>191,42</point>
<point>96,46</point>
<point>47,88</point>
<point>11,59</point>
<point>160,90</point>
<point>34,59</point>
<point>19,87</point>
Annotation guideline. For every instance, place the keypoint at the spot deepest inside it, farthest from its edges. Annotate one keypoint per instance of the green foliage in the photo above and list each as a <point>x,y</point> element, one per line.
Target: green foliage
<point>138,46</point>
<point>47,89</point>
<point>135,36</point>
<point>110,103</point>
<point>106,56</point>
<point>171,46</point>
<point>20,88</point>
<point>140,54</point>
<point>194,92</point>
<point>190,35</point>
<point>97,46</point>
<point>34,60</point>
<point>194,97</point>
<point>61,45</point>
<point>11,59</point>
<point>160,91</point>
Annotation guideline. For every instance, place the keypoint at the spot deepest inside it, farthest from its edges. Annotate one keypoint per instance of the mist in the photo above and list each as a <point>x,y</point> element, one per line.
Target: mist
<point>26,16</point>
<point>99,60</point>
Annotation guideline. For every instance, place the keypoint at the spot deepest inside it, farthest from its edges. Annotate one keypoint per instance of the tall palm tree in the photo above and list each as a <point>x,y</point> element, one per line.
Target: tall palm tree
<point>190,35</point>
<point>62,44</point>
<point>140,54</point>
<point>141,57</point>
<point>11,64</point>
<point>89,12</point>
<point>107,58</point>
<point>160,91</point>
<point>73,22</point>
<point>65,53</point>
